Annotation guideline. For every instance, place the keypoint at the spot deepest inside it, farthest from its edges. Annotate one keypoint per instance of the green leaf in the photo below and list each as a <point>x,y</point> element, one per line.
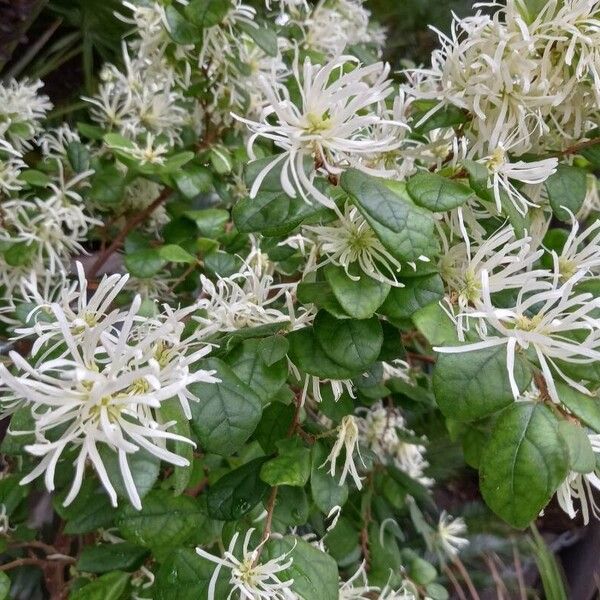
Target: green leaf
<point>586,408</point>
<point>21,421</point>
<point>553,580</point>
<point>271,213</point>
<point>567,187</point>
<point>107,184</point>
<point>227,412</point>
<point>274,425</point>
<point>406,230</point>
<point>418,292</point>
<point>307,354</point>
<point>326,491</point>
<point>90,510</point>
<point>238,492</point>
<point>359,298</point>
<point>273,349</point>
<point>193,180</point>
<point>78,156</point>
<point>20,254</point>
<point>180,29</point>
<point>222,264</point>
<point>220,159</point>
<point>92,132</point>
<point>111,557</point>
<point>206,13</point>
<point>472,385</point>
<point>144,263</point>
<point>265,37</point>
<point>248,365</point>
<point>290,467</point>
<point>144,466</point>
<point>210,221</point>
<point>4,585</point>
<point>184,575</point>
<point>420,571</point>
<point>164,523</point>
<point>34,178</point>
<point>111,586</point>
<point>435,325</point>
<point>11,493</point>
<point>170,410</point>
<point>321,295</point>
<point>523,464</point>
<point>291,507</point>
<point>581,454</point>
<point>175,254</point>
<point>315,573</point>
<point>592,152</point>
<point>530,9</point>
<point>446,116</point>
<point>437,193</point>
<point>353,344</point>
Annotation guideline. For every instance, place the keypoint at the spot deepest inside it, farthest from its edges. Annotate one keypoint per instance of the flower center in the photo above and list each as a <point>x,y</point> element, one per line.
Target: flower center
<point>471,290</point>
<point>567,268</point>
<point>496,160</point>
<point>317,123</point>
<point>528,323</point>
<point>246,572</point>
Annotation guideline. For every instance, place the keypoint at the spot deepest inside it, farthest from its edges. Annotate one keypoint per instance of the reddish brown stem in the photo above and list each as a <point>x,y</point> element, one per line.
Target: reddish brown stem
<point>131,224</point>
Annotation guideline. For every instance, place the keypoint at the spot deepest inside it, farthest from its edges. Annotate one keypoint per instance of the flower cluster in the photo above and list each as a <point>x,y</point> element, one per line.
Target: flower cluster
<point>277,291</point>
<point>98,380</point>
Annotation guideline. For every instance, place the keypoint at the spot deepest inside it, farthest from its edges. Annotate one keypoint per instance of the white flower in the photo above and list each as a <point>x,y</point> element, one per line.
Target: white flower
<point>21,110</point>
<point>11,165</point>
<point>329,127</point>
<point>384,432</point>
<point>404,592</point>
<point>581,251</point>
<point>332,27</point>
<point>591,204</point>
<point>583,487</point>
<point>312,385</point>
<point>249,577</point>
<point>508,261</point>
<point>142,99</point>
<point>449,535</point>
<point>396,369</point>
<point>54,142</point>
<point>347,439</point>
<point>248,299</point>
<point>357,587</point>
<point>502,172</point>
<point>99,378</point>
<point>350,240</point>
<point>223,39</point>
<point>150,153</point>
<point>139,194</point>
<point>541,319</point>
<point>410,458</point>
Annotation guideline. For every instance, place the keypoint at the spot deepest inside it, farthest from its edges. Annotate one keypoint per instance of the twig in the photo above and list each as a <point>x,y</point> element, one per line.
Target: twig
<point>421,357</point>
<point>270,510</point>
<point>131,224</point>
<point>47,548</point>
<point>270,507</point>
<point>457,587</point>
<point>519,572</point>
<point>576,148</point>
<point>41,562</point>
<point>466,577</point>
<point>501,590</point>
